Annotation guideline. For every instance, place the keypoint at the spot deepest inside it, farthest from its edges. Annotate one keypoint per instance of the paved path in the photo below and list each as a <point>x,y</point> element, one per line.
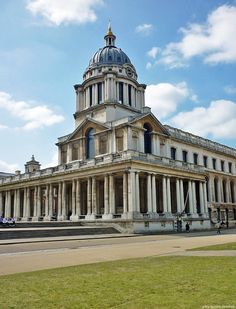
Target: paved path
<point>47,255</point>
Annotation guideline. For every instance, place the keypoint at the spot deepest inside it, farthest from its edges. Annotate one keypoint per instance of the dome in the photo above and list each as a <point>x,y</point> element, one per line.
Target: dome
<point>109,55</point>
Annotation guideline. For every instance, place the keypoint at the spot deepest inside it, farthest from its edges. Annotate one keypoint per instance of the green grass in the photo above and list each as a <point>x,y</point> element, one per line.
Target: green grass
<point>163,282</point>
<point>229,246</point>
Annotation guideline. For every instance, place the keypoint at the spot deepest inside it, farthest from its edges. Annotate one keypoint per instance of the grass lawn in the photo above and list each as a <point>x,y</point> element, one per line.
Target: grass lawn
<point>157,282</point>
<point>229,246</point>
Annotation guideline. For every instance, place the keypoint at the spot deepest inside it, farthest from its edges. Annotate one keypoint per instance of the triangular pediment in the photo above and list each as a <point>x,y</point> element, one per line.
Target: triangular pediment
<point>152,121</point>
<point>87,124</point>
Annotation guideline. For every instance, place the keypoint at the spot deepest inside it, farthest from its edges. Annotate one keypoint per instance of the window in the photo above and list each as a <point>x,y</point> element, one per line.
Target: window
<point>222,163</point>
<point>214,163</point>
<point>129,94</point>
<point>90,143</point>
<point>195,158</point>
<point>147,138</point>
<point>185,156</point>
<point>99,93</point>
<point>205,159</point>
<point>121,92</point>
<point>90,95</point>
<point>173,153</point>
<point>230,167</point>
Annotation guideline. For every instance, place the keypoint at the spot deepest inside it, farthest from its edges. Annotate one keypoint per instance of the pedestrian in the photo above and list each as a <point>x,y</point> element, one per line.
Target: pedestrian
<point>218,227</point>
<point>187,227</point>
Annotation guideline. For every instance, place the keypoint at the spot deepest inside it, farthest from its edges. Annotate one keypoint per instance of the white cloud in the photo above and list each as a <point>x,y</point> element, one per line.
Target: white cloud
<point>8,167</point>
<point>33,116</point>
<point>218,120</point>
<point>230,89</point>
<point>145,29</point>
<point>214,40</point>
<point>153,52</point>
<point>163,98</point>
<point>65,11</point>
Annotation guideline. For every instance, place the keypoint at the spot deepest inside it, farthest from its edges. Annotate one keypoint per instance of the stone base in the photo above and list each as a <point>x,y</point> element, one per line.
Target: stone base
<point>107,216</point>
<point>35,218</point>
<point>90,217</point>
<point>153,215</point>
<point>61,218</point>
<point>24,219</point>
<point>168,214</point>
<point>47,218</point>
<point>74,218</point>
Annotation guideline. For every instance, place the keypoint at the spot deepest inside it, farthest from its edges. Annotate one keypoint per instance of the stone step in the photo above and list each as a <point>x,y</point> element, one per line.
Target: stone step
<point>13,233</point>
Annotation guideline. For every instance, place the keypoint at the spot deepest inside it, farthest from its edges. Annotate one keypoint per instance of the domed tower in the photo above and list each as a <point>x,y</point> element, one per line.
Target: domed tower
<point>110,89</point>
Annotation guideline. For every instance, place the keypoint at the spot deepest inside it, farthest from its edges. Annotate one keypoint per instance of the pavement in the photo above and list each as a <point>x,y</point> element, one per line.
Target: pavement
<point>37,255</point>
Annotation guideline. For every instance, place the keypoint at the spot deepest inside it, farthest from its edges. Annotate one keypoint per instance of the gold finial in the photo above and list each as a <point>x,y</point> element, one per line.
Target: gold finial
<point>109,31</point>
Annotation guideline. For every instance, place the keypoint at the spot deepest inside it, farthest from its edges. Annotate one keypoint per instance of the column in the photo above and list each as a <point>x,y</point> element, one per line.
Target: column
<point>111,194</point>
<point>164,194</point>
<point>38,206</point>
<point>47,203</point>
<point>17,204</point>
<point>205,198</point>
<point>51,201</point>
<point>94,197</point>
<point>201,193</point>
<point>131,193</point>
<point>73,198</point>
<point>219,190</point>
<point>35,202</point>
<point>125,205</point>
<point>178,196</point>
<point>27,213</point>
<point>89,196</point>
<point>194,197</point>
<point>227,184</point>
<point>24,204</point>
<point>181,196</point>
<point>78,199</point>
<point>137,193</point>
<point>168,196</point>
<point>149,194</point>
<point>8,204</point>
<point>190,197</point>
<point>154,195</point>
<point>106,197</point>
<point>63,215</point>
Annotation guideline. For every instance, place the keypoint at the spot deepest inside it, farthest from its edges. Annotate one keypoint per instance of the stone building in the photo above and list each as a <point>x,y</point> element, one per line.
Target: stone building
<point>121,166</point>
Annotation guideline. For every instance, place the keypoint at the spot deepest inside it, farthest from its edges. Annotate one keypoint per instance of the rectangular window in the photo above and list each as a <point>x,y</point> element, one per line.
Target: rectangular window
<point>185,156</point>
<point>205,160</point>
<point>129,94</point>
<point>121,92</point>
<point>195,158</point>
<point>99,93</point>
<point>214,163</point>
<point>173,153</point>
<point>90,95</point>
<point>230,167</point>
<point>222,163</point>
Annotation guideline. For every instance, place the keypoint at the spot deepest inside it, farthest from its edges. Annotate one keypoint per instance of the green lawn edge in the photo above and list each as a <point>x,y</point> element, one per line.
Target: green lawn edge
<point>227,246</point>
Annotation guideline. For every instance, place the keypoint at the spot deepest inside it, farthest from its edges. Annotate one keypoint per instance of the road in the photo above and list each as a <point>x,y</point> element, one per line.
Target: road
<point>23,257</point>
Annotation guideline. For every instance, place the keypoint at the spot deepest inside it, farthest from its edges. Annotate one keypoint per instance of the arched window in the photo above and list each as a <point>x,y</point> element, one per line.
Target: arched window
<point>90,143</point>
<point>147,138</point>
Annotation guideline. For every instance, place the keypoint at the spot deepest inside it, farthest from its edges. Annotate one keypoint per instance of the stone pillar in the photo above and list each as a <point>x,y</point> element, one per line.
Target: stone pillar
<point>89,199</point>
<point>111,195</point>
<point>59,202</point>
<point>8,204</point>
<point>190,197</point>
<point>94,197</point>
<point>24,204</point>
<point>131,194</point>
<point>154,196</point>
<point>194,198</point>
<point>73,215</point>
<point>141,140</point>
<point>69,153</point>
<point>27,209</point>
<point>178,196</point>
<point>63,215</point>
<point>125,204</point>
<point>219,190</point>
<point>51,201</point>
<point>137,192</point>
<point>201,193</point>
<point>149,194</point>
<point>227,189</point>
<point>106,197</point>
<point>38,207</point>
<point>47,203</point>
<point>168,196</point>
<point>181,196</point>
<point>17,204</point>
<point>205,199</point>
<point>164,194</point>
<point>78,199</point>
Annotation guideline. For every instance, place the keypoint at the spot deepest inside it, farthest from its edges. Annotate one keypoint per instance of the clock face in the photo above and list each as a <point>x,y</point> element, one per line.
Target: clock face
<point>129,72</point>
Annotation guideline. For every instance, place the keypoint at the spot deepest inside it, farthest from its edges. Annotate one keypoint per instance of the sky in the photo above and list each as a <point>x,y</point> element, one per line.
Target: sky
<point>184,51</point>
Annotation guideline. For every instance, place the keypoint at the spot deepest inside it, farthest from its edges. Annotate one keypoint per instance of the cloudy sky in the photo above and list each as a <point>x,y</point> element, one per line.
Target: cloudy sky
<point>185,51</point>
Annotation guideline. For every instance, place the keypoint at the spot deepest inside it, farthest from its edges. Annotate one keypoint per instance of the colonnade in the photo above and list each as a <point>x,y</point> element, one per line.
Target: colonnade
<point>128,194</point>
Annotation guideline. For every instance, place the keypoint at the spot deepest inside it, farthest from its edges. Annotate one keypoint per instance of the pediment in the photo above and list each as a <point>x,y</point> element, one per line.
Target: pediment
<point>152,121</point>
<point>82,129</point>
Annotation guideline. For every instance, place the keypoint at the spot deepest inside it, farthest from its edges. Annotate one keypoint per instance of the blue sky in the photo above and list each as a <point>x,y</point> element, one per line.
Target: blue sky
<point>185,51</point>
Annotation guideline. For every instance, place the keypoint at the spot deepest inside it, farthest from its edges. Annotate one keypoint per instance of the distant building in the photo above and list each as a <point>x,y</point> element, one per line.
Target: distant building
<point>4,175</point>
<point>122,166</point>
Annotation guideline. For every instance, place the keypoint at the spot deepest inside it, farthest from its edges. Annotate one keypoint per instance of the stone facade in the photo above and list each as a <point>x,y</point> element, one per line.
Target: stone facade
<point>122,166</point>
